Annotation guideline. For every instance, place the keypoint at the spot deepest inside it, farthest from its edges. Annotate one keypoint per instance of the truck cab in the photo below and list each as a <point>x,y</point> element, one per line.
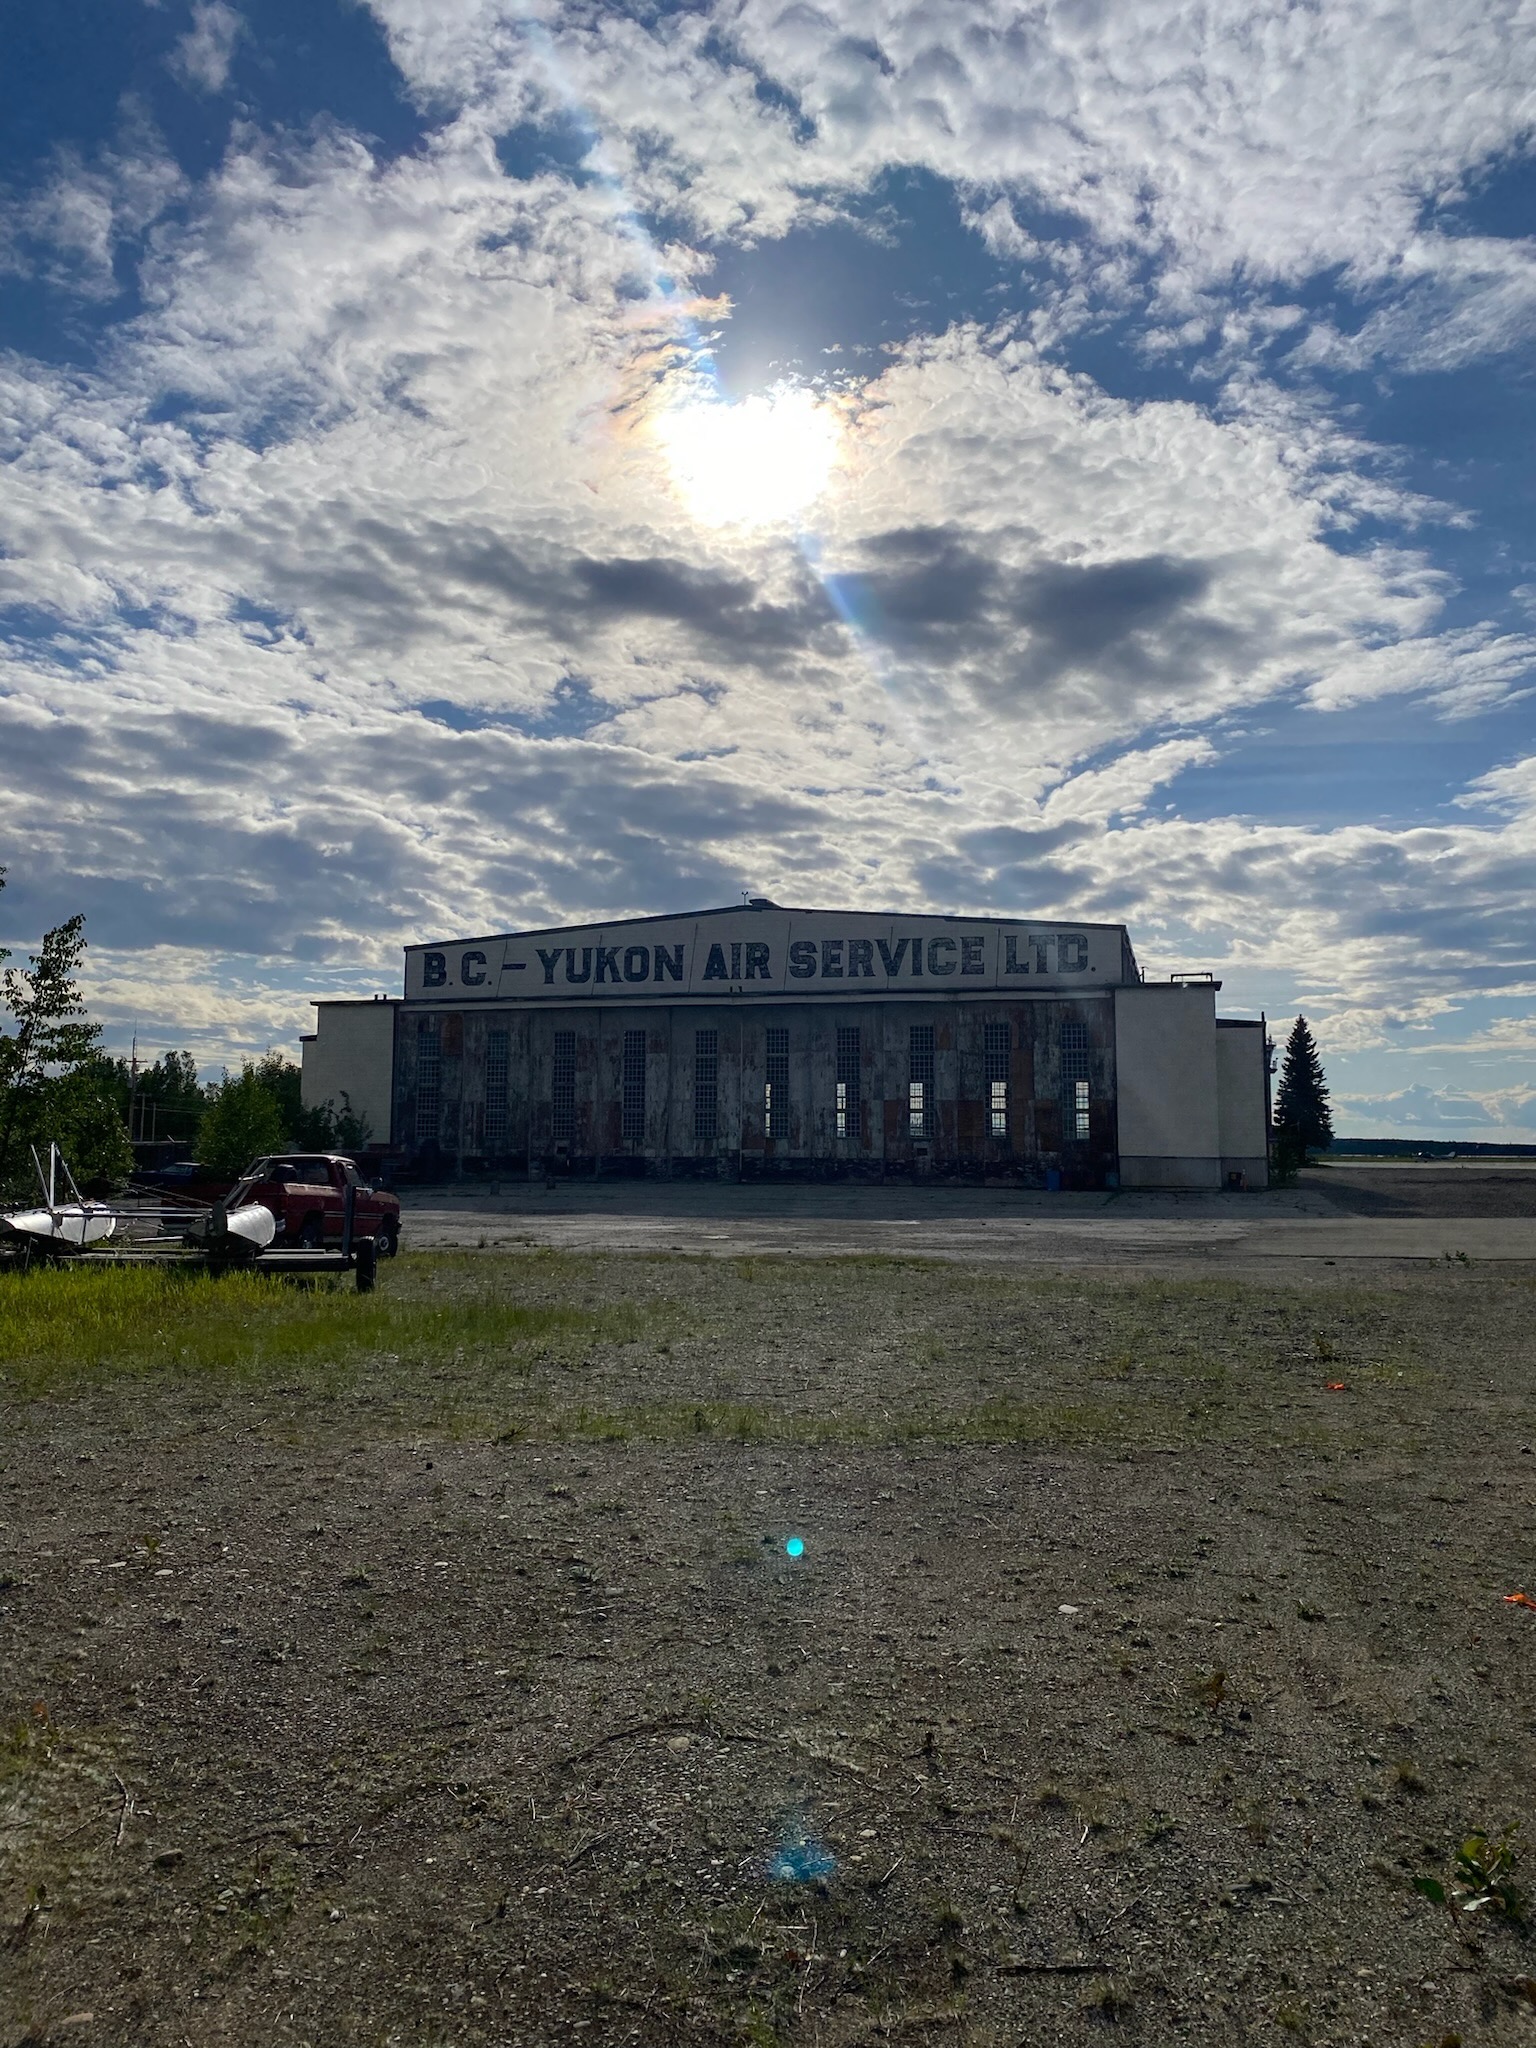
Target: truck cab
<point>307,1192</point>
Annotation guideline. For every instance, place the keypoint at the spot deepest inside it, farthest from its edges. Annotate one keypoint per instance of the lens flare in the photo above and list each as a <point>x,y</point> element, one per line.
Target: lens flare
<point>760,462</point>
<point>794,1547</point>
<point>800,1859</point>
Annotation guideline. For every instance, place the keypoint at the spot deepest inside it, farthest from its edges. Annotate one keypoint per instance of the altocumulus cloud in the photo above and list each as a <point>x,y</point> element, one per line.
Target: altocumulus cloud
<point>374,432</point>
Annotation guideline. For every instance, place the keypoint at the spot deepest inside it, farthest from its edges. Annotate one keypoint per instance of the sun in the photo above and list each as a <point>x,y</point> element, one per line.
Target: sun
<point>759,462</point>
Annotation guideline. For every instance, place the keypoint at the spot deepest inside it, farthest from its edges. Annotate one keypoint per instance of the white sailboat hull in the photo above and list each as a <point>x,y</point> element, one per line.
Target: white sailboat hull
<point>251,1227</point>
<point>74,1224</point>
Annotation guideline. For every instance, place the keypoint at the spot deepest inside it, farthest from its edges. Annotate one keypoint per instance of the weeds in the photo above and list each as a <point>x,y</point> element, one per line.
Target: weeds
<point>1482,1878</point>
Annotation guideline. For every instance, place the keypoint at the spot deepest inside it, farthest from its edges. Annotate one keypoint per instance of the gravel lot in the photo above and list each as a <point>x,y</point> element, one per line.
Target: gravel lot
<point>1149,1639</point>
<point>1401,1210</point>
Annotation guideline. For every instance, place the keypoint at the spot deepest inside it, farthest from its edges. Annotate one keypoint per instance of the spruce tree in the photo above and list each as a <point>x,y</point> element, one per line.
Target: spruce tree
<point>1303,1120</point>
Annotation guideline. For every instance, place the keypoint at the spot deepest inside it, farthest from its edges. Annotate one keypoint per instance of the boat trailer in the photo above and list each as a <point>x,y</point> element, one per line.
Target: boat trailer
<point>143,1232</point>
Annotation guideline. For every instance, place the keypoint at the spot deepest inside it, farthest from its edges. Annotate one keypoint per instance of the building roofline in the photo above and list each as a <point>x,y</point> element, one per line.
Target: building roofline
<point>738,909</point>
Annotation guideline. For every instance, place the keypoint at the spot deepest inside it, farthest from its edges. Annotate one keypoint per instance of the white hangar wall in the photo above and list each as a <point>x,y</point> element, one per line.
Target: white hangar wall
<point>350,1062</point>
<point>1242,1097</point>
<point>1169,1121</point>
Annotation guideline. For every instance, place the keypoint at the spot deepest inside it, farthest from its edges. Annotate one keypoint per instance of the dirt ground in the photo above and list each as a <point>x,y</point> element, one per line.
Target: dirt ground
<point>1463,1187</point>
<point>1149,1638</point>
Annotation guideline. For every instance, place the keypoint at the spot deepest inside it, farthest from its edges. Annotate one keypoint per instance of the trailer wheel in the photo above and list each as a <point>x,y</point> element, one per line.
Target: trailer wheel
<point>386,1236</point>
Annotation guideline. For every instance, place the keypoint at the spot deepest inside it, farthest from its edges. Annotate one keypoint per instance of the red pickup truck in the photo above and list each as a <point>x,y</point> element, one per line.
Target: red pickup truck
<point>306,1192</point>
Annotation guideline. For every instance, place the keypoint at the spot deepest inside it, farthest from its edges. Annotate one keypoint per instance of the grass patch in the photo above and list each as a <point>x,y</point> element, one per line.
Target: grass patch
<point>63,1328</point>
<point>550,1346</point>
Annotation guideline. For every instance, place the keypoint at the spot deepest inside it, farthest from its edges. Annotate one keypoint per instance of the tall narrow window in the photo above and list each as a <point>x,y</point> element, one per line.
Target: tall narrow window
<point>563,1088</point>
<point>848,1081</point>
<point>495,1090</point>
<point>429,1075</point>
<point>634,1088</point>
<point>997,1045</point>
<point>920,1080</point>
<point>1074,1077</point>
<point>706,1085</point>
<point>776,1082</point>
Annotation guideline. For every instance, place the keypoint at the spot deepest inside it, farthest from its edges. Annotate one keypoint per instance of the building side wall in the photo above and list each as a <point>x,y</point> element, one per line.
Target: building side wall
<point>352,1054</point>
<point>1241,1100</point>
<point>1039,1112</point>
<point>1168,1118</point>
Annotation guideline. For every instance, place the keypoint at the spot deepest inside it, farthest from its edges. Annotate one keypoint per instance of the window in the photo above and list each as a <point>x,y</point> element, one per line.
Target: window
<point>1074,1077</point>
<point>848,1081</point>
<point>919,1080</point>
<point>495,1090</point>
<point>429,1075</point>
<point>634,1088</point>
<point>706,1085</point>
<point>776,1082</point>
<point>563,1089</point>
<point>997,1045</point>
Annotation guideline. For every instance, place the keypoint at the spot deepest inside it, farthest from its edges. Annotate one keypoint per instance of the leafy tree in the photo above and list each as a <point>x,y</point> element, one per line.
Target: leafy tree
<point>350,1130</point>
<point>1303,1119</point>
<point>241,1122</point>
<point>283,1080</point>
<point>315,1128</point>
<point>172,1099</point>
<point>165,1100</point>
<point>54,1080</point>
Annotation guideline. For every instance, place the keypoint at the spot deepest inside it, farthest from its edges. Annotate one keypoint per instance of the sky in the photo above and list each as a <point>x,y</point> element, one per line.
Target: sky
<point>472,466</point>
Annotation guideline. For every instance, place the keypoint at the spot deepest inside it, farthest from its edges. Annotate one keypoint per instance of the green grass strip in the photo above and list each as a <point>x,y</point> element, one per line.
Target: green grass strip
<point>67,1326</point>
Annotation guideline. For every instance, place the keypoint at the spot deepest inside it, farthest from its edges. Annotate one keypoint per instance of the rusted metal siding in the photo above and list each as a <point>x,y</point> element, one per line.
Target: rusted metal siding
<point>959,1141</point>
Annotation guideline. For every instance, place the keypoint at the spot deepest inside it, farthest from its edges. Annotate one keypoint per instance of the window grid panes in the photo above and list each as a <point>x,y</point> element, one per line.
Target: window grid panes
<point>997,1046</point>
<point>634,1087</point>
<point>1074,1077</point>
<point>919,1079</point>
<point>495,1090</point>
<point>429,1072</point>
<point>563,1088</point>
<point>706,1084</point>
<point>776,1082</point>
<point>848,1105</point>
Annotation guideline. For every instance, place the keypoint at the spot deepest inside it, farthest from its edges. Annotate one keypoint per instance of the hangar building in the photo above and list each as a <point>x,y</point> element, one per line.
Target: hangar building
<point>756,1041</point>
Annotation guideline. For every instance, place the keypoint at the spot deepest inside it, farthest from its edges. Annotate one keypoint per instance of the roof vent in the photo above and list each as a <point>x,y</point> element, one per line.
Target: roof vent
<point>761,903</point>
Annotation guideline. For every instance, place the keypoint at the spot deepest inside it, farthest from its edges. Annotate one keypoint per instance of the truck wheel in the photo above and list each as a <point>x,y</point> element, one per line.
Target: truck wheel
<point>386,1236</point>
<point>312,1231</point>
<point>367,1264</point>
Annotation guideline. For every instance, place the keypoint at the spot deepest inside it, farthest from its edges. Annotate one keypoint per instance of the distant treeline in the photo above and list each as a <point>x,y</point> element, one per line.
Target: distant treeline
<point>1420,1148</point>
